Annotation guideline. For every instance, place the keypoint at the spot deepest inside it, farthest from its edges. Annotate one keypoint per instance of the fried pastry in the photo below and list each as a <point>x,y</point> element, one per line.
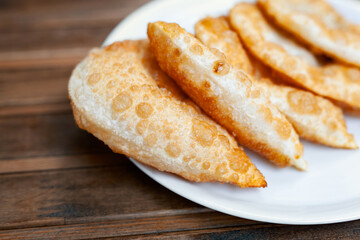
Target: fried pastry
<point>120,95</point>
<point>313,117</point>
<point>216,33</point>
<point>294,63</point>
<point>318,25</point>
<point>225,93</point>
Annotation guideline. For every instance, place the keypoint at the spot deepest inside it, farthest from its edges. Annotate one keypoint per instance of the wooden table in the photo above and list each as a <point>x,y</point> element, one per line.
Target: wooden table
<point>57,181</point>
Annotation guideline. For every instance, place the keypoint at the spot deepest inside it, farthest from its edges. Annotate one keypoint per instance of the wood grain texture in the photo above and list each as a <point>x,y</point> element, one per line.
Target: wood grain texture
<point>349,230</point>
<point>59,182</point>
<point>175,222</point>
<point>58,24</point>
<point>41,59</point>
<point>83,195</point>
<point>45,135</point>
<point>19,87</point>
<point>42,14</point>
<point>31,109</point>
<point>20,165</point>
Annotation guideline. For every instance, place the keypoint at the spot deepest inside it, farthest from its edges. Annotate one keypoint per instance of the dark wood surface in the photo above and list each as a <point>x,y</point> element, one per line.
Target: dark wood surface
<point>57,181</point>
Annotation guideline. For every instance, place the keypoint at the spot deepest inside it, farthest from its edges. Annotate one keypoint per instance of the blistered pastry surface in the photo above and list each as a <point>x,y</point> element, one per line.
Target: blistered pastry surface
<point>314,118</point>
<point>225,93</point>
<point>292,61</point>
<point>120,95</point>
<point>319,25</point>
<point>216,33</point>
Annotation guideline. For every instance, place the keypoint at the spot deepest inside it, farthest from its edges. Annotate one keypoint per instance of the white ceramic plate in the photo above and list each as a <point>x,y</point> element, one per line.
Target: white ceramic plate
<point>329,192</point>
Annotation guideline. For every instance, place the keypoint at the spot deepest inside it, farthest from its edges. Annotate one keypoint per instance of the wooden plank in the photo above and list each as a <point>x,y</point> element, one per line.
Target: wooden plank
<point>34,86</point>
<point>53,24</point>
<point>19,64</point>
<point>349,230</point>
<point>59,162</point>
<point>203,225</point>
<point>41,59</point>
<point>34,91</point>
<point>44,14</point>
<point>54,39</point>
<point>89,195</point>
<point>152,225</point>
<point>43,108</point>
<point>43,54</point>
<point>63,47</point>
<point>45,135</point>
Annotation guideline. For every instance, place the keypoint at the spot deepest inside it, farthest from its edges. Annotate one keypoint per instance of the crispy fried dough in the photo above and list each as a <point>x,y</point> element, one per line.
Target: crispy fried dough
<point>226,94</point>
<point>120,95</point>
<point>314,118</point>
<point>319,25</point>
<point>216,33</point>
<point>294,63</point>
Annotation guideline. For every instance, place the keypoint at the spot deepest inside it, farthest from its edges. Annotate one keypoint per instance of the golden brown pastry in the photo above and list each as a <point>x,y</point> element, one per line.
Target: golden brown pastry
<point>120,95</point>
<point>225,93</point>
<point>216,33</point>
<point>293,62</point>
<point>313,117</point>
<point>319,25</point>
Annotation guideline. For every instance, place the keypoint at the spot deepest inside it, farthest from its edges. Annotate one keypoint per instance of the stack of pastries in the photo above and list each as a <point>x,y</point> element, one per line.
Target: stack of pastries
<point>262,77</point>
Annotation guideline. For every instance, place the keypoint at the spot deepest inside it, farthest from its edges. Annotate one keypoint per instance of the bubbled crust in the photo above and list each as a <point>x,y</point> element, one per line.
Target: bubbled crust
<point>294,63</point>
<point>314,118</point>
<point>216,33</point>
<point>120,95</point>
<point>319,25</point>
<point>226,94</point>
